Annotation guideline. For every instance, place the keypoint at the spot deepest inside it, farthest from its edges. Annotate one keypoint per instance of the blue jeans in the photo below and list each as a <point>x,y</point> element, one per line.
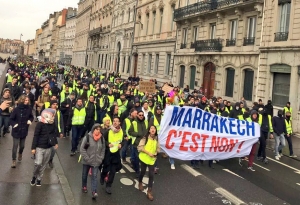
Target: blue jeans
<point>100,115</point>
<point>279,143</point>
<point>171,160</point>
<point>85,172</point>
<point>76,133</point>
<point>135,159</point>
<point>290,143</point>
<point>125,147</point>
<point>4,121</point>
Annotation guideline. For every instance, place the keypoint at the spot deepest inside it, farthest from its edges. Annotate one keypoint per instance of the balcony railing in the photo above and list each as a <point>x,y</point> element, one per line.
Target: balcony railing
<point>182,46</point>
<point>281,36</point>
<point>208,45</point>
<point>209,5</point>
<point>230,42</point>
<point>95,31</point>
<point>193,45</point>
<point>249,41</point>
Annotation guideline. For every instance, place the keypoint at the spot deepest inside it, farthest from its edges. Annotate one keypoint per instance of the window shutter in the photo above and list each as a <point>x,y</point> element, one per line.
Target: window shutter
<point>229,82</point>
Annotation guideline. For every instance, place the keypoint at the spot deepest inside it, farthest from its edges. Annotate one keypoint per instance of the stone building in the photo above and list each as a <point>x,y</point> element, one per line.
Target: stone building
<point>70,36</point>
<point>217,47</point>
<point>99,35</point>
<point>154,40</point>
<point>29,48</point>
<point>79,57</point>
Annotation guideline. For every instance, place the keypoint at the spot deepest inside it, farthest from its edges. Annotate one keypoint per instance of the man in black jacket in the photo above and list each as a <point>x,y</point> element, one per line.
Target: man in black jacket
<point>66,109</point>
<point>279,132</point>
<point>236,112</point>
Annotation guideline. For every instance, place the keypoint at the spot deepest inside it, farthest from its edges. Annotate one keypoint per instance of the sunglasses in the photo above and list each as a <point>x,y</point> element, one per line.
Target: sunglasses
<point>141,115</point>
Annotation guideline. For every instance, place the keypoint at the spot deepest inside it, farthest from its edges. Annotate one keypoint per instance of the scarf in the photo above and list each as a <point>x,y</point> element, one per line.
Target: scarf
<point>96,137</point>
<point>115,129</point>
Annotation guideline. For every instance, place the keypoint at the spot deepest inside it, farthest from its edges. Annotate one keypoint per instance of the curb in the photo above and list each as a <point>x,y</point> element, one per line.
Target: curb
<point>297,158</point>
<point>63,181</point>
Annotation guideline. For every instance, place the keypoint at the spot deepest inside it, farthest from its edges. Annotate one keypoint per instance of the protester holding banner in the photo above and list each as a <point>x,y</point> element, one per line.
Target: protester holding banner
<point>148,148</point>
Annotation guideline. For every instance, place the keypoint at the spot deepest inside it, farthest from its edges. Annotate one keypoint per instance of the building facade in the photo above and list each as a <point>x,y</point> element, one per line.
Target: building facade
<point>217,47</point>
<point>29,48</point>
<point>60,54</point>
<point>154,40</point>
<point>99,48</point>
<point>279,70</point>
<point>69,36</point>
<point>79,57</point>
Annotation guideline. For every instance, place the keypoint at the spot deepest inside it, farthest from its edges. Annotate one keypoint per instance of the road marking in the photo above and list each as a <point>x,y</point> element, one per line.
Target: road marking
<point>122,171</point>
<point>126,181</point>
<point>298,184</point>
<point>227,170</point>
<point>128,167</point>
<point>190,170</point>
<point>229,196</point>
<point>260,166</point>
<point>297,171</point>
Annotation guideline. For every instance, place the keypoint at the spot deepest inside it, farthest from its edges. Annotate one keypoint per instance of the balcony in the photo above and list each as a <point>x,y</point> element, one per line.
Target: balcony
<point>95,31</point>
<point>204,7</point>
<point>281,36</point>
<point>230,42</point>
<point>209,45</point>
<point>249,41</point>
<point>183,45</point>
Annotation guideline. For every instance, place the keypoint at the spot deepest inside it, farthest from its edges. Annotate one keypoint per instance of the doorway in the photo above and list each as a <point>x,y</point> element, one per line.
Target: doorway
<point>182,73</point>
<point>209,79</point>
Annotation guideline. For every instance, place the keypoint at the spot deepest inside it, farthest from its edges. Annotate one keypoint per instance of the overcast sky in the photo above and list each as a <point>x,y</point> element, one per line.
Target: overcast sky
<point>25,16</point>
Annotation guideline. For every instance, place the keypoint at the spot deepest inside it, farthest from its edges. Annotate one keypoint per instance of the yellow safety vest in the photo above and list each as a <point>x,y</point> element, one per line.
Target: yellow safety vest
<point>269,119</point>
<point>115,139</point>
<point>134,124</point>
<point>9,78</point>
<point>47,105</point>
<point>288,125</point>
<point>286,109</point>
<point>62,96</point>
<point>151,147</point>
<point>79,116</point>
<point>128,124</point>
<point>122,107</point>
<point>111,100</point>
<point>156,124</point>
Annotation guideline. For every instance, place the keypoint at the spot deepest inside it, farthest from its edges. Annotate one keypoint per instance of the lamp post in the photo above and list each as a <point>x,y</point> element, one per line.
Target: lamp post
<point>21,44</point>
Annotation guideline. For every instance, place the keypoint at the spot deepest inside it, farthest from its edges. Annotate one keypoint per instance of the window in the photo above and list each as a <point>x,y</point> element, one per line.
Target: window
<point>192,77</point>
<point>172,17</point>
<point>168,64</point>
<point>124,60</point>
<point>105,61</point>
<point>284,20</point>
<point>156,63</point>
<point>248,84</point>
<point>153,23</point>
<point>140,25</point>
<point>213,31</point>
<point>143,63</point>
<point>233,29</point>
<point>281,89</point>
<point>229,82</point>
<point>184,36</point>
<point>98,59</point>
<point>128,14</point>
<point>161,20</point>
<point>147,23</point>
<point>129,64</point>
<point>195,33</point>
<point>251,27</point>
<point>149,63</point>
<point>101,60</point>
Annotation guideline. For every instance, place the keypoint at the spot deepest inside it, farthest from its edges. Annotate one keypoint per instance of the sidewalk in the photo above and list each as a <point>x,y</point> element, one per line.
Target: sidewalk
<point>15,185</point>
<point>285,151</point>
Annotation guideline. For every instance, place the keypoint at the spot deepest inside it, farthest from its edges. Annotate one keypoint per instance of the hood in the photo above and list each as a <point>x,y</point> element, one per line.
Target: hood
<point>95,126</point>
<point>252,113</point>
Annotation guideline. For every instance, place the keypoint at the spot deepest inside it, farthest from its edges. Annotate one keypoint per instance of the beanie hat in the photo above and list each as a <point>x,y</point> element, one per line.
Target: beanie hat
<point>6,89</point>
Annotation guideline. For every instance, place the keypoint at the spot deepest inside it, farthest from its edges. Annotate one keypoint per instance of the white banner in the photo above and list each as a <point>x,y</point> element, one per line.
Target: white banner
<point>189,133</point>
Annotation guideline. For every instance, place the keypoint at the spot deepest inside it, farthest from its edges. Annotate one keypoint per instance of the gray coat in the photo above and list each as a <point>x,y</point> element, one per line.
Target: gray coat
<point>94,155</point>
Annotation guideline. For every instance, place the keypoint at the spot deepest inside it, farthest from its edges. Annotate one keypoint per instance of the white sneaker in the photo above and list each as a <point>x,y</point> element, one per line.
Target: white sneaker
<point>293,156</point>
<point>280,155</point>
<point>277,157</point>
<point>172,166</point>
<point>251,169</point>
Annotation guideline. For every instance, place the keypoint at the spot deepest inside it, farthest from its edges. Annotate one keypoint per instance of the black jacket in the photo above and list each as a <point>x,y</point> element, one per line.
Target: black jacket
<point>20,115</point>
<point>41,135</point>
<point>67,110</point>
<point>141,131</point>
<point>15,90</point>
<point>279,125</point>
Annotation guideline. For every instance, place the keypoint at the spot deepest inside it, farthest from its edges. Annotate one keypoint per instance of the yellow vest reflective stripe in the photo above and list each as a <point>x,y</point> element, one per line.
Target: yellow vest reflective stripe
<point>47,105</point>
<point>115,139</point>
<point>240,117</point>
<point>79,116</point>
<point>134,124</point>
<point>151,147</point>
<point>156,124</point>
<point>101,102</point>
<point>128,124</point>
<point>269,121</point>
<point>288,125</point>
<point>58,121</point>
